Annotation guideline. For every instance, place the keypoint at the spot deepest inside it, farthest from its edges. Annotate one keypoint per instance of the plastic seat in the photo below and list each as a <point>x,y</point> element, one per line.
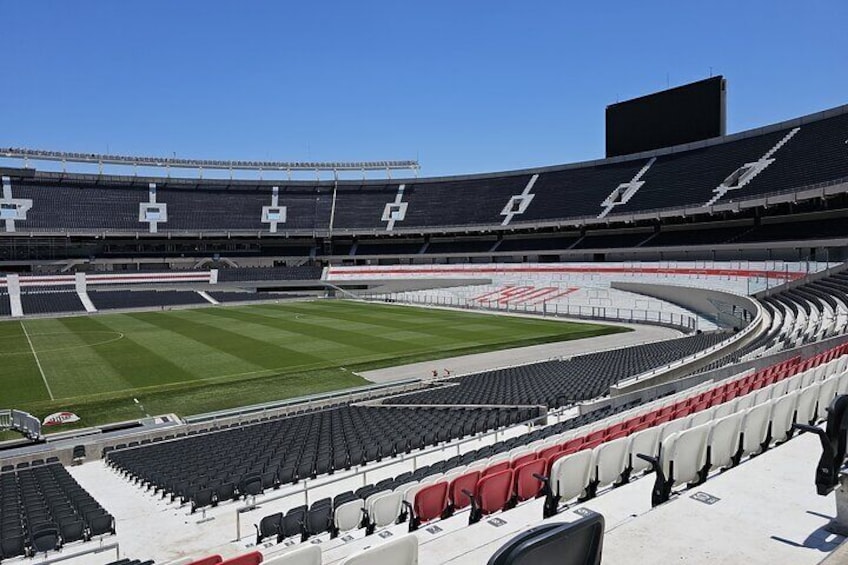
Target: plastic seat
<point>526,484</point>
<point>385,510</point>
<point>306,555</point>
<point>252,558</point>
<point>430,502</point>
<point>723,441</point>
<point>465,482</point>
<point>400,551</point>
<point>493,493</point>
<point>610,462</point>
<point>348,516</point>
<point>782,416</point>
<point>755,426</point>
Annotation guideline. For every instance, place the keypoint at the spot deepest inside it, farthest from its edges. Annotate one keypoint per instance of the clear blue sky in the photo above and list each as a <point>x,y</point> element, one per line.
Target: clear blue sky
<point>463,85</point>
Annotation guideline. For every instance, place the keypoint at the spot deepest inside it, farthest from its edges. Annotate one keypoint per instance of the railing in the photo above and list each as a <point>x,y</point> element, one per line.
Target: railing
<point>373,472</point>
<point>22,422</point>
<point>631,315</point>
<point>753,327</point>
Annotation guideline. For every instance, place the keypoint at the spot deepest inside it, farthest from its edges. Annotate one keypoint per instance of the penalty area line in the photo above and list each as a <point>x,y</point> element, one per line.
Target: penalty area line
<point>37,361</point>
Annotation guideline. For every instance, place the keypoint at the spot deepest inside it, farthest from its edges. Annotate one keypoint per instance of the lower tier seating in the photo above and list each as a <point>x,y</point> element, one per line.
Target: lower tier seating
<point>42,508</point>
<point>558,383</point>
<point>243,461</point>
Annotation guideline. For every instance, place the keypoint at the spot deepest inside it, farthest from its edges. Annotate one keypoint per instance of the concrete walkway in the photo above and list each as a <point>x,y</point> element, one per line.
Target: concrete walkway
<point>521,355</point>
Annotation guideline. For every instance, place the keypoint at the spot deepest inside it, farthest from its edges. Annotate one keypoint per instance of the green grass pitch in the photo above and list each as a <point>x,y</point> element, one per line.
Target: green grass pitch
<point>199,360</point>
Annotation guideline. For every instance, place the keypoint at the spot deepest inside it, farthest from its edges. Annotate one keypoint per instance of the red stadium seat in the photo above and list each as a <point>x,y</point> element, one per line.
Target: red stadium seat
<point>430,502</point>
<point>211,560</point>
<point>549,452</point>
<point>254,558</point>
<point>526,485</point>
<point>496,468</point>
<point>518,461</point>
<point>493,494</point>
<point>468,482</point>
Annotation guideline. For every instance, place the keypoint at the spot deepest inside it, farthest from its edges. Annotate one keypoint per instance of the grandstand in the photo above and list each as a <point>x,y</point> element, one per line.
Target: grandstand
<point>723,257</point>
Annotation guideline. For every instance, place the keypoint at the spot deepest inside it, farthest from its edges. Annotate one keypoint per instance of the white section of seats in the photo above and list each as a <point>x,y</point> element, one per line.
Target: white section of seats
<point>189,561</point>
<point>723,441</point>
<point>385,509</point>
<point>610,461</point>
<point>400,551</point>
<point>805,411</point>
<point>755,426</point>
<point>782,412</point>
<point>305,555</point>
<point>570,474</point>
<point>348,516</point>
<point>682,454</point>
<point>647,442</point>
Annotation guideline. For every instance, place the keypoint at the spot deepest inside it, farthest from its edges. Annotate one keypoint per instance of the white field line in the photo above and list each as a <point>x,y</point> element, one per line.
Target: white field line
<point>37,362</point>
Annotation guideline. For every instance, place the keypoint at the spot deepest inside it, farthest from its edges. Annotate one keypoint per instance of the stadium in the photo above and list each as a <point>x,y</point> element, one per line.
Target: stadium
<point>640,358</point>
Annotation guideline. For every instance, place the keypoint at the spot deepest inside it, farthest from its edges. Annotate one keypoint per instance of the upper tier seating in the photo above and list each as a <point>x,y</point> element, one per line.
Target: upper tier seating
<point>67,203</point>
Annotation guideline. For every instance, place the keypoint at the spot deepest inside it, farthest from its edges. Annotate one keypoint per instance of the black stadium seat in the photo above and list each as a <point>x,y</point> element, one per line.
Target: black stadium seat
<point>576,543</point>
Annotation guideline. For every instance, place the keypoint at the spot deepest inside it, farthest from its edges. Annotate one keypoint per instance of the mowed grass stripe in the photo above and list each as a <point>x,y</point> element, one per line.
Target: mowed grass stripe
<point>137,365</point>
<point>67,350</point>
<point>364,339</point>
<point>399,325</point>
<point>258,352</point>
<point>460,326</point>
<point>197,359</point>
<point>20,379</point>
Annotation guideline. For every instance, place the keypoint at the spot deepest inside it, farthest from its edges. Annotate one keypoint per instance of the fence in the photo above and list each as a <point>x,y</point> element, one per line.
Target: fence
<point>611,313</point>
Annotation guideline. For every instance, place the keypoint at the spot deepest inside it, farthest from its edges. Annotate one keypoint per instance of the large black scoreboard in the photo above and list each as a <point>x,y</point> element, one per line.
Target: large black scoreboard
<point>683,114</point>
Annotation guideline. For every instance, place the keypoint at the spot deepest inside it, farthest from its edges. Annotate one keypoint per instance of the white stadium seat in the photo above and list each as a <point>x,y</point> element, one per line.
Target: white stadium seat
<point>348,516</point>
<point>400,551</point>
<point>723,440</point>
<point>610,461</point>
<point>570,475</point>
<point>755,426</point>
<point>305,555</point>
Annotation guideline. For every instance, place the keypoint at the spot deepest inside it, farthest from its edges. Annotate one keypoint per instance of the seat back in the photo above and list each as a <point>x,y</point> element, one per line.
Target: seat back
<point>684,454</point>
<point>468,482</point>
<point>827,391</point>
<point>252,558</point>
<point>755,427</point>
<point>526,485</point>
<point>494,491</point>
<point>210,560</point>
<point>610,461</point>
<point>399,551</point>
<point>385,509</point>
<point>723,440</point>
<point>782,414</point>
<point>431,501</point>
<point>348,516</point>
<point>805,411</point>
<point>570,475</point>
<point>305,555</point>
<point>647,442</point>
<point>575,543</point>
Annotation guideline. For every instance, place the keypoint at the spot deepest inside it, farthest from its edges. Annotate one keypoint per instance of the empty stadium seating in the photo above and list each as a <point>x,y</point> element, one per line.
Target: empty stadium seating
<point>43,508</point>
<point>813,154</point>
<point>212,468</point>
<point>557,383</point>
<point>117,299</point>
<point>50,300</point>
